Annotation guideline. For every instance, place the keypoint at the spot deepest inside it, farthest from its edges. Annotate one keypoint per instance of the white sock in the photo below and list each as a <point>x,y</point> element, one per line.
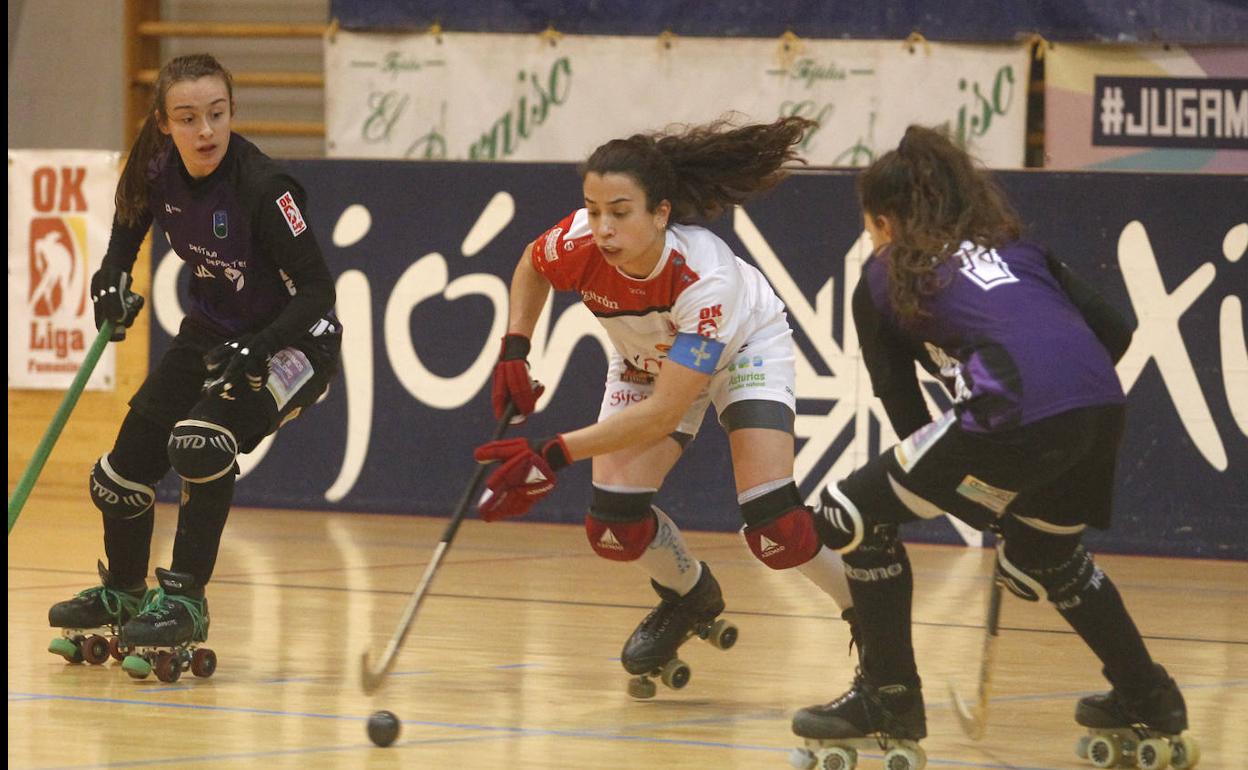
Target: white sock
<point>667,560</point>
<point>827,571</point>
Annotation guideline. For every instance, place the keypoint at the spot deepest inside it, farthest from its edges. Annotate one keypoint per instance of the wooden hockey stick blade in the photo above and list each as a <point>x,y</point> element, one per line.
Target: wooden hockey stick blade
<point>370,679</point>
<point>971,720</point>
<point>974,721</point>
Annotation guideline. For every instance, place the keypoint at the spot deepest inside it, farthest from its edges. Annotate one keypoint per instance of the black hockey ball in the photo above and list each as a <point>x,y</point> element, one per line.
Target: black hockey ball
<point>383,728</point>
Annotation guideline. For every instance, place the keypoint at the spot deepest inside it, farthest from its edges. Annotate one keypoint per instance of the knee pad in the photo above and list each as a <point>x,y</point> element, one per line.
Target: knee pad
<point>779,530</point>
<point>116,496</point>
<point>880,556</point>
<point>202,451</point>
<point>837,520</point>
<point>1061,579</point>
<point>620,525</point>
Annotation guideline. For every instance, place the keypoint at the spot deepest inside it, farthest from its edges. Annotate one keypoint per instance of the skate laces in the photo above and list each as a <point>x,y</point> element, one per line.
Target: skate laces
<point>162,605</point>
<point>114,601</point>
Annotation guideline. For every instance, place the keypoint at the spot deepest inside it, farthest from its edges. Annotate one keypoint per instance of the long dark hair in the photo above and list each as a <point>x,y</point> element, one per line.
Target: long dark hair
<point>131,197</point>
<point>935,197</point>
<point>703,169</point>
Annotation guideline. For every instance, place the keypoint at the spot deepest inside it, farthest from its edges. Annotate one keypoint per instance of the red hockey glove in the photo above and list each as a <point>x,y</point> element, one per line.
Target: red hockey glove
<point>512,383</point>
<point>526,475</point>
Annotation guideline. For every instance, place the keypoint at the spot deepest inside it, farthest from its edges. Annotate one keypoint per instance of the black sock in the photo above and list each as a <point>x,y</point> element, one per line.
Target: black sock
<point>201,520</point>
<point>1099,616</point>
<point>881,583</point>
<point>128,543</point>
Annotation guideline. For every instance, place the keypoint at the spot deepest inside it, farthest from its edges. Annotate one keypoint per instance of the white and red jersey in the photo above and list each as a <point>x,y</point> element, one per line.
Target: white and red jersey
<point>698,287</point>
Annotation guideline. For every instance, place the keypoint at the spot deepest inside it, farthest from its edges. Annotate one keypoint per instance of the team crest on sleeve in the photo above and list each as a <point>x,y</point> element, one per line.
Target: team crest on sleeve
<point>290,210</point>
<point>552,244</point>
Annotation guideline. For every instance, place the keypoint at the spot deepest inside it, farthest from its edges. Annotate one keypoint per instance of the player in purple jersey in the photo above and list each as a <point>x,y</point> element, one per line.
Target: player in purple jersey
<point>1027,351</point>
<point>259,343</point>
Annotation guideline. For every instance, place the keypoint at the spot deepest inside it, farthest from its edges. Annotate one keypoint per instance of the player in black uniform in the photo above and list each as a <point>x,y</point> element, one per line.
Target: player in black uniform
<point>1027,351</point>
<point>259,343</point>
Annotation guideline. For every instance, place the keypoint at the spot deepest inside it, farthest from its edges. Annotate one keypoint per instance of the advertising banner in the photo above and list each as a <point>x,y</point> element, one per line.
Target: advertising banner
<point>60,216</point>
<point>981,20</point>
<point>422,253</point>
<point>498,97</point>
<point>1149,108</point>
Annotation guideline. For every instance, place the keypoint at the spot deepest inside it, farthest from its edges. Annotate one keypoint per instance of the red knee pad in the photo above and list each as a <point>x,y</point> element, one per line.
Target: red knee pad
<point>620,540</point>
<point>786,542</point>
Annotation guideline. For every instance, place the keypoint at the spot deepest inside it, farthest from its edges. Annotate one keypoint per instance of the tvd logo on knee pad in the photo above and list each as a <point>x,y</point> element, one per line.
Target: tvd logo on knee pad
<point>201,451</point>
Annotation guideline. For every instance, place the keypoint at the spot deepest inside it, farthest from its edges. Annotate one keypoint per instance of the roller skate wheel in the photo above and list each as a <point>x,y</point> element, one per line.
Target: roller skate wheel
<point>168,667</point>
<point>641,687</point>
<point>838,758</point>
<point>95,649</point>
<point>1104,751</point>
<point>802,759</point>
<point>903,758</point>
<point>115,649</point>
<point>723,634</point>
<point>676,673</point>
<point>1153,754</point>
<point>136,667</point>
<point>66,649</point>
<point>1184,753</point>
<point>203,662</point>
<point>1081,746</point>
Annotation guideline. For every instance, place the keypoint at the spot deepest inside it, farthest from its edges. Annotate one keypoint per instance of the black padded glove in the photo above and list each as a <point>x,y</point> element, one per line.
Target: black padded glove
<point>112,300</point>
<point>231,364</point>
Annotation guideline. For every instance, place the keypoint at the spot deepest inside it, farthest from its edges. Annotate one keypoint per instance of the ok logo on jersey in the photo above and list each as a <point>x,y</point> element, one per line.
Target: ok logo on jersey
<point>708,320</point>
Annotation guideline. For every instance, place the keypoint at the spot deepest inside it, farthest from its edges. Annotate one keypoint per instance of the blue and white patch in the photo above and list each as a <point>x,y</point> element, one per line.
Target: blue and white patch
<point>696,352</point>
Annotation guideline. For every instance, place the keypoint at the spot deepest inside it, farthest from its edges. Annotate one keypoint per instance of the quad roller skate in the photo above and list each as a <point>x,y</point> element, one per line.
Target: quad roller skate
<point>651,650</point>
<point>890,719</point>
<point>165,636</point>
<point>1143,731</point>
<point>91,621</point>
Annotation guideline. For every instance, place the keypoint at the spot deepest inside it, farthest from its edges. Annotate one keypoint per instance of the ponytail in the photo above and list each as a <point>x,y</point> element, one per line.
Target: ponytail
<point>935,198</point>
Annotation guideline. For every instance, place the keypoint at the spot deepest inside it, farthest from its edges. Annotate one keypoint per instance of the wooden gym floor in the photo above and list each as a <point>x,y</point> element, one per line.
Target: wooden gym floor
<point>513,661</point>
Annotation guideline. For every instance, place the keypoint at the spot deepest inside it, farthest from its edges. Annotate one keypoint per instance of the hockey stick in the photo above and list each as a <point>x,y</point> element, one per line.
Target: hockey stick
<point>35,467</point>
<point>974,721</point>
<point>371,680</point>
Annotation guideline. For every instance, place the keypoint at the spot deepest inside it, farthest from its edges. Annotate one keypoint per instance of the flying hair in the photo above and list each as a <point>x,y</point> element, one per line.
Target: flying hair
<point>702,170</point>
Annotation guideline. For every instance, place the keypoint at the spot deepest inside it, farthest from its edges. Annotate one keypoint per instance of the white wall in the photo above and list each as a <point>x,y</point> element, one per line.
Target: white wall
<point>67,69</point>
<point>66,74</point>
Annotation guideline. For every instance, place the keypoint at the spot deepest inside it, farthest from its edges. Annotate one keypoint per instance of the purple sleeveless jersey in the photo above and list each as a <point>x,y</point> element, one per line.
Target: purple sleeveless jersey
<point>1005,338</point>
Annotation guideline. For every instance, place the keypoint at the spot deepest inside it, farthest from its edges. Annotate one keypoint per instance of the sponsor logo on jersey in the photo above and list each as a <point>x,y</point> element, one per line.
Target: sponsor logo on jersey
<point>552,244</point>
<point>203,252</point>
<point>708,320</point>
<point>294,218</point>
<point>203,272</point>
<point>220,224</point>
<point>589,295</point>
<point>236,277</point>
<point>636,376</point>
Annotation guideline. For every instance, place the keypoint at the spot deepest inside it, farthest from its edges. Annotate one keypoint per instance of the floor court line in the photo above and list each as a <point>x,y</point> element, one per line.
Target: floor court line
<point>616,605</point>
<point>507,733</point>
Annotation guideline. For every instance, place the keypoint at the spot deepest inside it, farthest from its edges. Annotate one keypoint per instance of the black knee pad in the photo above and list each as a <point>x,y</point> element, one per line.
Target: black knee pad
<point>880,556</point>
<point>1033,564</point>
<point>620,525</point>
<point>116,496</point>
<point>202,451</point>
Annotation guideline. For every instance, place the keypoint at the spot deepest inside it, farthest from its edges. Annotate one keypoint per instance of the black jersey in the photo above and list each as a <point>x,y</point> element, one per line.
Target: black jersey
<point>255,266</point>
